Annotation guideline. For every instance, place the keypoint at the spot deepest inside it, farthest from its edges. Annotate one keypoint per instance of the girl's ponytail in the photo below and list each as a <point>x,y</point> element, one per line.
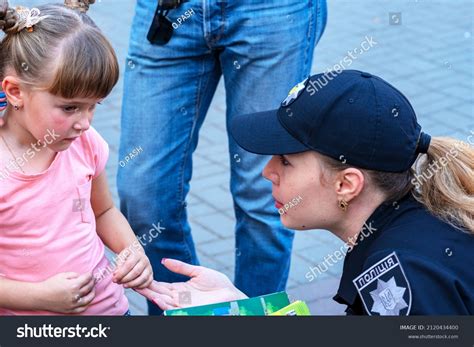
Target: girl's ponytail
<point>444,181</point>
<point>8,18</point>
<point>81,5</point>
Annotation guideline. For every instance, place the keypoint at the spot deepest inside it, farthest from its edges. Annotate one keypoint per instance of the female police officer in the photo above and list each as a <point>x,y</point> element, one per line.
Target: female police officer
<point>349,147</point>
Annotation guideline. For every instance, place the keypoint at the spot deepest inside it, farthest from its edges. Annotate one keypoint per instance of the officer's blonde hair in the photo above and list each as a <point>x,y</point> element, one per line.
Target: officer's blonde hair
<point>442,180</point>
<point>64,54</point>
<point>449,193</point>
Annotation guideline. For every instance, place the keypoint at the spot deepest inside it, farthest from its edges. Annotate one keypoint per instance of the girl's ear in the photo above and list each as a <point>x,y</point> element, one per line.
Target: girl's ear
<point>13,92</point>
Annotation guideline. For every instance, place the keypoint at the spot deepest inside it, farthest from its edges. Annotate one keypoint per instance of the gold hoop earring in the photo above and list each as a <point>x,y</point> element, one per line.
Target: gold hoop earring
<point>343,204</point>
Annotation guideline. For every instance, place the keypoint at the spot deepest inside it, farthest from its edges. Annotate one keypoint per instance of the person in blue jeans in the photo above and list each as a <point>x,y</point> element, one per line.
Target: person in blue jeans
<point>167,92</point>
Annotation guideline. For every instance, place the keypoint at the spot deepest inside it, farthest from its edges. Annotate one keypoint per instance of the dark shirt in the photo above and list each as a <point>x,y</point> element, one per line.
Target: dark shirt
<point>408,262</point>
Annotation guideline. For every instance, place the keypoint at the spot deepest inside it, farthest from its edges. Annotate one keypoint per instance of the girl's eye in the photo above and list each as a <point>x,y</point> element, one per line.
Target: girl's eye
<point>70,109</point>
<point>284,162</point>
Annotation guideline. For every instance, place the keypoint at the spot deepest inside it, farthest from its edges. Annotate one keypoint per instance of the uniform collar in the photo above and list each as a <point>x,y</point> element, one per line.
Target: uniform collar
<point>355,259</point>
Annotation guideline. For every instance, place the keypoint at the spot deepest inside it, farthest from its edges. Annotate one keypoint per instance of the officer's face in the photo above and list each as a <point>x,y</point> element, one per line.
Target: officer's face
<point>301,199</point>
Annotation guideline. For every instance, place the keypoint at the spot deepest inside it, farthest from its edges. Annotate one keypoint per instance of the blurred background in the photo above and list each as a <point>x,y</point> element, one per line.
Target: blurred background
<point>423,47</point>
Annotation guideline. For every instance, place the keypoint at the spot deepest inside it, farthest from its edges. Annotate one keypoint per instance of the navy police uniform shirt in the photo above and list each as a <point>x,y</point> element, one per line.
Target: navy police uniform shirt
<point>408,262</point>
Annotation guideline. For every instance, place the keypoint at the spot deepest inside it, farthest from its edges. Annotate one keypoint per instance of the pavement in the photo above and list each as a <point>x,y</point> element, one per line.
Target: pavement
<point>423,47</point>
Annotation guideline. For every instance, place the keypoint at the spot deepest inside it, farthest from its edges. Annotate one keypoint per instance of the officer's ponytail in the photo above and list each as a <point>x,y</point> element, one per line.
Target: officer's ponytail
<point>443,181</point>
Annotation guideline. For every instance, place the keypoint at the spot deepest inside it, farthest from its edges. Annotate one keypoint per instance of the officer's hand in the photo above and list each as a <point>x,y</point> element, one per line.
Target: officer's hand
<point>206,286</point>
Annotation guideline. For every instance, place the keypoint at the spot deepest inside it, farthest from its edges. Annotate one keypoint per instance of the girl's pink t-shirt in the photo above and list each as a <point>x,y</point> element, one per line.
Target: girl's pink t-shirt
<point>47,225</point>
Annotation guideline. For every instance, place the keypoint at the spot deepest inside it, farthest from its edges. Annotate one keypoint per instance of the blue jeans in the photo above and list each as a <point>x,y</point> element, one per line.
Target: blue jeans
<point>262,48</point>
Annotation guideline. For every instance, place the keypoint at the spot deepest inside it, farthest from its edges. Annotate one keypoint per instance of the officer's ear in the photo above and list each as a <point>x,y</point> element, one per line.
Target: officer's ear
<point>349,183</point>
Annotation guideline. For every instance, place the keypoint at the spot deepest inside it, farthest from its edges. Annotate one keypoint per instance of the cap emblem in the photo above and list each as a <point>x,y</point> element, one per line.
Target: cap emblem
<point>294,93</point>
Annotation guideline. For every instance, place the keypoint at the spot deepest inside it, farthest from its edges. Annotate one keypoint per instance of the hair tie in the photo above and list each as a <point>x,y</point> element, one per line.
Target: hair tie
<point>423,143</point>
<point>27,18</point>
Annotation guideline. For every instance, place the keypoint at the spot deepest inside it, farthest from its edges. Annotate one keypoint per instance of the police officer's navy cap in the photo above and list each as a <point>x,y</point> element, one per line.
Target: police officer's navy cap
<point>351,116</point>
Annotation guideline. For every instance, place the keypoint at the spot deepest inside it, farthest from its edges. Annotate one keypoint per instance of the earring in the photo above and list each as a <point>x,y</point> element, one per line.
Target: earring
<point>16,107</point>
<point>343,204</point>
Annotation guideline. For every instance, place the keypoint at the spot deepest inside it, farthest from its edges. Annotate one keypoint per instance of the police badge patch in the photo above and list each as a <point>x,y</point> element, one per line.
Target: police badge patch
<point>384,288</point>
<point>294,93</point>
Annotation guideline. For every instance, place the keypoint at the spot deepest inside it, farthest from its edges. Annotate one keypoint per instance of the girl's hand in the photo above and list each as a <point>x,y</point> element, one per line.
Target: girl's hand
<point>67,292</point>
<point>205,287</point>
<point>135,270</point>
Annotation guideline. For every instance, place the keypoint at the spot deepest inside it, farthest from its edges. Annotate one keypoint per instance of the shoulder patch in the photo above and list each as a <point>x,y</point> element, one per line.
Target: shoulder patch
<point>384,288</point>
<point>294,93</point>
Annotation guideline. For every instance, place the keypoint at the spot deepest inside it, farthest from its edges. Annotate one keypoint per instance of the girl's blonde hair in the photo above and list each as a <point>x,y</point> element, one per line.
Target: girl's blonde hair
<point>65,53</point>
<point>442,180</point>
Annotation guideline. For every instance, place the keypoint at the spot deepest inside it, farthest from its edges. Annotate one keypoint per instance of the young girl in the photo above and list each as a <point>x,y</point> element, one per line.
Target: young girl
<point>402,202</point>
<point>56,212</point>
